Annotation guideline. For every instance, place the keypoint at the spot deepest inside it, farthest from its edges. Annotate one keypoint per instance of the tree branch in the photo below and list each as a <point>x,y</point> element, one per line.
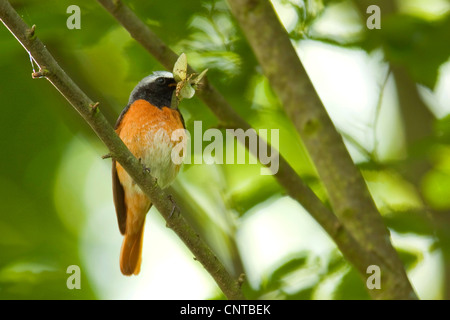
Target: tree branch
<point>78,99</point>
<point>349,195</point>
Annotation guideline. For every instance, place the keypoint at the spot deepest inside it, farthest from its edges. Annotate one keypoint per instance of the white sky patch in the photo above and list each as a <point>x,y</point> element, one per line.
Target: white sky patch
<point>339,21</point>
<point>427,276</point>
<point>439,99</point>
<point>287,14</point>
<point>275,231</point>
<point>348,81</point>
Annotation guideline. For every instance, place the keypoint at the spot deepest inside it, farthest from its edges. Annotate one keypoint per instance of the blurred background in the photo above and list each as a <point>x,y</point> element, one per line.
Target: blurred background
<point>387,92</point>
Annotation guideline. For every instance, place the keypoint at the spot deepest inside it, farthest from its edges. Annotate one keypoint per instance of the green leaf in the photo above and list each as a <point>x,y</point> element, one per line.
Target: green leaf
<point>187,91</point>
<point>303,294</point>
<point>180,68</point>
<point>436,186</point>
<point>351,287</point>
<point>196,80</point>
<point>409,258</point>
<point>275,280</point>
<point>409,221</point>
<point>418,45</point>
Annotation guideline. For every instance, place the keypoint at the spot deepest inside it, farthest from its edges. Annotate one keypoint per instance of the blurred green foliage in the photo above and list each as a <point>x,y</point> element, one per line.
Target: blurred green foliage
<point>38,243</point>
<point>409,41</point>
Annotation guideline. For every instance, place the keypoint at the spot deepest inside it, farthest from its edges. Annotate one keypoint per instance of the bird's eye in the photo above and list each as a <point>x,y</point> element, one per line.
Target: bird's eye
<point>160,80</point>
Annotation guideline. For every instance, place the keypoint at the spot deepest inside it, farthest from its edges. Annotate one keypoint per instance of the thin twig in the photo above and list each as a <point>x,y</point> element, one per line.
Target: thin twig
<point>377,114</point>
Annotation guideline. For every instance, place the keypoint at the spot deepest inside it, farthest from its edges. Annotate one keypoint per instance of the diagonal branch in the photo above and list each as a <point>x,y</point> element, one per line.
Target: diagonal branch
<point>349,195</point>
<point>50,69</point>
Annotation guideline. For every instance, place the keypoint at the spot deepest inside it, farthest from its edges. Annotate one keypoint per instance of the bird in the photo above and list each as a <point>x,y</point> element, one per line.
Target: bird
<point>145,126</point>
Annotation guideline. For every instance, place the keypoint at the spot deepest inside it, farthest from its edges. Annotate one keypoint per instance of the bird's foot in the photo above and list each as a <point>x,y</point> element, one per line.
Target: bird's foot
<point>174,206</point>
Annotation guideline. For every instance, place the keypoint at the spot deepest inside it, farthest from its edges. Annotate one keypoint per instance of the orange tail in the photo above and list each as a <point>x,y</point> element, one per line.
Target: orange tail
<point>131,252</point>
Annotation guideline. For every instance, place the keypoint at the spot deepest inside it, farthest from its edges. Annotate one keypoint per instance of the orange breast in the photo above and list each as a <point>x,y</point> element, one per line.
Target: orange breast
<point>142,119</point>
<point>147,130</point>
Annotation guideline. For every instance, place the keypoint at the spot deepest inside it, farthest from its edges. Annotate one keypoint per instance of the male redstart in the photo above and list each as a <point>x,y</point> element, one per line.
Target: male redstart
<point>145,126</point>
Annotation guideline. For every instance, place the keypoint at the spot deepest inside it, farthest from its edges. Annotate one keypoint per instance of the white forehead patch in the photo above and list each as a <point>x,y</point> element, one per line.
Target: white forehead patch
<point>155,75</point>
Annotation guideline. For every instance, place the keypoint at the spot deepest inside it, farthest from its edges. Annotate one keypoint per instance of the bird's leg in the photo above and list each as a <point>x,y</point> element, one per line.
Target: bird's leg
<point>145,169</point>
